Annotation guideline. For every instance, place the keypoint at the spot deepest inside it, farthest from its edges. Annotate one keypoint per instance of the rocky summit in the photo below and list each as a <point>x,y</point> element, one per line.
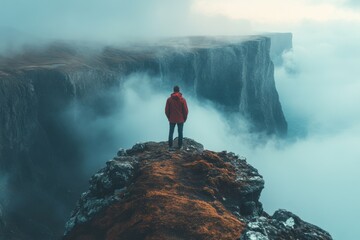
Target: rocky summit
<point>149,192</point>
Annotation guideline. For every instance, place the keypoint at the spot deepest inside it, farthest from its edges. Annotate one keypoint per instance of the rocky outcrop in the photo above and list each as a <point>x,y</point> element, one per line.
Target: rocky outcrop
<point>283,225</point>
<point>147,192</point>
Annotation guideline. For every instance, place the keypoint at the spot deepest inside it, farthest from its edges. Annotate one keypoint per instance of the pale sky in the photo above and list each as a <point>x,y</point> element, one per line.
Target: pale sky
<point>280,13</point>
<point>110,19</point>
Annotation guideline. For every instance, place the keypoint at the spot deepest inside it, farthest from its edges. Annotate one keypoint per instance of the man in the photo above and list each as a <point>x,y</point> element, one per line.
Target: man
<point>176,111</point>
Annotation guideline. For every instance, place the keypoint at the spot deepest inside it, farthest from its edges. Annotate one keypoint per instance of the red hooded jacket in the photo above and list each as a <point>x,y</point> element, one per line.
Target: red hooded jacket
<point>176,109</point>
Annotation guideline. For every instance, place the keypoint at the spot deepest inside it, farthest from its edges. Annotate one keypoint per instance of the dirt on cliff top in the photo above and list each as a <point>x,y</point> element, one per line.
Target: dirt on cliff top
<point>174,195</point>
<point>148,192</point>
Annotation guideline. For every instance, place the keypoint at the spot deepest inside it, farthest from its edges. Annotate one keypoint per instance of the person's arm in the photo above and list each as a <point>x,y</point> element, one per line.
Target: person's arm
<point>185,110</point>
<point>167,109</point>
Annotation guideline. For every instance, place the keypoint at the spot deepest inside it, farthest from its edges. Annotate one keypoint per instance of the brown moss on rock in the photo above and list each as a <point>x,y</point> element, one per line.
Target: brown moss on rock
<point>171,197</point>
<point>149,193</point>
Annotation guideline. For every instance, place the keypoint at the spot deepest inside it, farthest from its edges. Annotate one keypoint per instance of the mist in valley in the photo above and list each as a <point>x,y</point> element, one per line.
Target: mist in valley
<point>312,172</point>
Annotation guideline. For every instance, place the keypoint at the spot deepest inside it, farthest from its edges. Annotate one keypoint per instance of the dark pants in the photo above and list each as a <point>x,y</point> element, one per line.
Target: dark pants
<point>180,133</point>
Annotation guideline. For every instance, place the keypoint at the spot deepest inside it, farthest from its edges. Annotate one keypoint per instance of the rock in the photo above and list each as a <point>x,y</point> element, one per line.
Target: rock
<point>193,193</point>
<point>106,187</point>
<point>283,225</point>
<point>121,152</point>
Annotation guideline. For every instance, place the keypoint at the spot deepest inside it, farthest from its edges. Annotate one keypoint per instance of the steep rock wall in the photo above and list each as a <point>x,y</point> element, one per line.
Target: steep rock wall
<point>239,76</point>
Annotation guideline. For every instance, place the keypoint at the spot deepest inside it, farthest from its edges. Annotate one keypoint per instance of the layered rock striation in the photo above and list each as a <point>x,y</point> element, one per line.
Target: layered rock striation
<point>147,192</point>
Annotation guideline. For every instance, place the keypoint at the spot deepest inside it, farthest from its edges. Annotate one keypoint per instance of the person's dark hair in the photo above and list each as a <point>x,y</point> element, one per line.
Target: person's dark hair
<point>176,89</point>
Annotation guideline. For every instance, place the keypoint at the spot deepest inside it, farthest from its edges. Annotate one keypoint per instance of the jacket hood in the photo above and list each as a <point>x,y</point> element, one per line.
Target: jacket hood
<point>176,95</point>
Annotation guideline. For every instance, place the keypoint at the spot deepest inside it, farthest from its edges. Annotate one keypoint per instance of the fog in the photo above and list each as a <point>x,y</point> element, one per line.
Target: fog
<point>313,172</point>
<point>138,115</point>
<point>319,89</point>
<point>37,22</point>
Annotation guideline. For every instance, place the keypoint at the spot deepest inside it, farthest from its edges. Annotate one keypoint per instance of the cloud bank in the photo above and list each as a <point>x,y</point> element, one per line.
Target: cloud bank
<point>315,176</point>
<point>313,172</point>
<point>110,22</point>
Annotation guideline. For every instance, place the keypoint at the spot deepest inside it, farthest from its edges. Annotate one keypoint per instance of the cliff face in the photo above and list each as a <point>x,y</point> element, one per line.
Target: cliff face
<point>147,192</point>
<point>36,87</point>
<point>37,143</point>
<point>237,74</point>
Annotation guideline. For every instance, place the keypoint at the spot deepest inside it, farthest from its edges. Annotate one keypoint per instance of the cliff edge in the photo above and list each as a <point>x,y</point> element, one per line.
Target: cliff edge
<point>147,192</point>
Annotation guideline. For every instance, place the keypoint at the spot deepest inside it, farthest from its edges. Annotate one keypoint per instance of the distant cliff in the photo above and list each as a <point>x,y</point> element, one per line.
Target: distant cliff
<point>236,73</point>
<point>147,192</point>
<point>38,149</point>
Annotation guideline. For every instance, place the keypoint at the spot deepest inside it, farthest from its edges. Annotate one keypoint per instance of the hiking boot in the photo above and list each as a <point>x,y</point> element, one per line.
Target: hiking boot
<point>171,149</point>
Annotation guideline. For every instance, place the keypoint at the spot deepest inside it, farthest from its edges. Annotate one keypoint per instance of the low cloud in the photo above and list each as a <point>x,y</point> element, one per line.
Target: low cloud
<point>314,175</point>
<point>106,22</point>
<point>140,116</point>
<point>311,171</point>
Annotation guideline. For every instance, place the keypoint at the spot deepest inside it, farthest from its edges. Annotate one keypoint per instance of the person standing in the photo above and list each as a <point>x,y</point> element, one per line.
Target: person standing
<point>176,111</point>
